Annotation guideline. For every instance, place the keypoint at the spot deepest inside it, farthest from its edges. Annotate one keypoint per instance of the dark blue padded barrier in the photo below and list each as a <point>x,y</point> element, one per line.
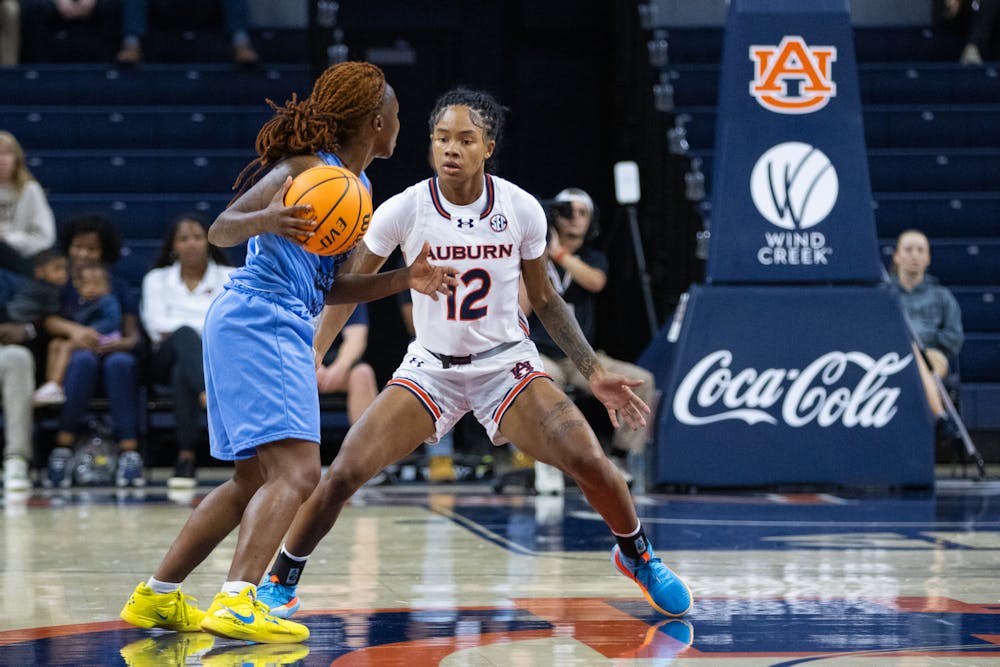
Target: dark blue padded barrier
<point>911,83</point>
<point>980,308</point>
<point>43,128</point>
<point>959,261</point>
<point>101,85</point>
<point>911,169</point>
<point>906,126</point>
<point>139,215</point>
<point>938,214</point>
<point>209,171</point>
<point>980,358</point>
<point>979,405</point>
<point>704,45</point>
<point>823,391</point>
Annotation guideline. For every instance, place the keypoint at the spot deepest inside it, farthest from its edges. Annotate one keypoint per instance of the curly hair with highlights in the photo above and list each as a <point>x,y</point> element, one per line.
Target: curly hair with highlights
<point>342,99</point>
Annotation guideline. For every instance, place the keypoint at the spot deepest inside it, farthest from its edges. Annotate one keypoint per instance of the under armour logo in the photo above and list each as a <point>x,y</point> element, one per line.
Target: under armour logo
<point>521,369</point>
<point>414,361</point>
<point>465,222</point>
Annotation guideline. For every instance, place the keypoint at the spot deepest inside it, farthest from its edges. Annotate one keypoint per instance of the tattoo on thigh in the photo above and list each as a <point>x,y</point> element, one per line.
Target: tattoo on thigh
<point>561,419</point>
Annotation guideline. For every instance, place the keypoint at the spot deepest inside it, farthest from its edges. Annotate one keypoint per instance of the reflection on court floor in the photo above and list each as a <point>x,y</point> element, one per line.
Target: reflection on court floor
<point>459,576</point>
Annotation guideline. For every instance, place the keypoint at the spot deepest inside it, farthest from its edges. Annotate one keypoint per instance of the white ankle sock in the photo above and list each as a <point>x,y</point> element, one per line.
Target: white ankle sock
<point>237,587</point>
<point>162,586</point>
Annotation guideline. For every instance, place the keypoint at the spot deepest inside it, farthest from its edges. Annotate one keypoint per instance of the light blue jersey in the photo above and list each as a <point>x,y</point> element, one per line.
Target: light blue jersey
<point>286,273</point>
<point>257,346</point>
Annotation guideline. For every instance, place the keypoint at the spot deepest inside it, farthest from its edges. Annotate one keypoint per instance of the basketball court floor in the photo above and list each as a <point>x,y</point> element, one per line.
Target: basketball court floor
<point>416,575</point>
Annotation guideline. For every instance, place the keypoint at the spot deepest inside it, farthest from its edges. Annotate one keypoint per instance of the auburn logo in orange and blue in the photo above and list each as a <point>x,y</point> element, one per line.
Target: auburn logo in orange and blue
<point>792,77</point>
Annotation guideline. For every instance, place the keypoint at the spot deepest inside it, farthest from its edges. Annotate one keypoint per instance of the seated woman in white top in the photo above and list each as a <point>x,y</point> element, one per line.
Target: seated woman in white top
<point>27,225</point>
<point>176,294</point>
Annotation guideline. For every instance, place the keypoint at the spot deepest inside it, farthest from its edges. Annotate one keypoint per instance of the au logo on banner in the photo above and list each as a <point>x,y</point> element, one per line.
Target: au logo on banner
<point>793,61</point>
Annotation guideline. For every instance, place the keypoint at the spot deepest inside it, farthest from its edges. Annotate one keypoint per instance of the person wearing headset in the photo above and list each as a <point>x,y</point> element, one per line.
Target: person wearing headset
<point>579,273</point>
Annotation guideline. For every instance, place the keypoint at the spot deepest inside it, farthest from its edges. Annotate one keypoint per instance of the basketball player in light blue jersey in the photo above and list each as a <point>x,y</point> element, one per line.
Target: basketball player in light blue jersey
<point>263,406</point>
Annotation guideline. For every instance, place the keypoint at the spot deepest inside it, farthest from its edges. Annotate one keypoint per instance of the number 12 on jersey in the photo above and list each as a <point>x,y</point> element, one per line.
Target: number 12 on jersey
<point>470,309</point>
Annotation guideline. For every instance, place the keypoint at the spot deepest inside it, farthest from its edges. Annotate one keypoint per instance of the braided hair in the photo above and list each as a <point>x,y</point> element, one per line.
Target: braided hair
<point>486,113</point>
<point>342,99</point>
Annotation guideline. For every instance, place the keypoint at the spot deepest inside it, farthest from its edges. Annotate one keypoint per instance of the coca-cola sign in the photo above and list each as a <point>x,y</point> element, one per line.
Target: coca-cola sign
<point>851,388</point>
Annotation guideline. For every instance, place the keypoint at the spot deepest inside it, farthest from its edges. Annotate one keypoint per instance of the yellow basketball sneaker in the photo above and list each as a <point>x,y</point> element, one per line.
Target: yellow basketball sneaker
<point>243,617</point>
<point>171,611</point>
<point>246,655</point>
<point>175,649</point>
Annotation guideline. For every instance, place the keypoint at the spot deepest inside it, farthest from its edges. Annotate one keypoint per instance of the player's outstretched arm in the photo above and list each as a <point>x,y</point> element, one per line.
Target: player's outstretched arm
<point>357,284</point>
<point>612,389</point>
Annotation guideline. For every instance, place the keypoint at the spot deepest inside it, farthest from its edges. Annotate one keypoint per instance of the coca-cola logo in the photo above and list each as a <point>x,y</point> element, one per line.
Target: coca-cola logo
<point>712,391</point>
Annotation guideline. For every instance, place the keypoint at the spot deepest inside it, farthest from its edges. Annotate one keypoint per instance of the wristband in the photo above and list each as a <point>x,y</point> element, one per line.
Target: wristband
<point>560,256</point>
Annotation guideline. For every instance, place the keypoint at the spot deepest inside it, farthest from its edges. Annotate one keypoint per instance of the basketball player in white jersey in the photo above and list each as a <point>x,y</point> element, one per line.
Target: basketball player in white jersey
<point>472,353</point>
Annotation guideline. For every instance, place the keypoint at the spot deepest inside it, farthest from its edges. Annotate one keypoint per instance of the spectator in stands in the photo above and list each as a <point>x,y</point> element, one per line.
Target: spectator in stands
<point>89,239</point>
<point>41,297</point>
<point>135,23</point>
<point>10,32</point>
<point>934,314</point>
<point>983,17</point>
<point>187,276</point>
<point>343,370</point>
<point>17,381</point>
<point>579,273</point>
<point>27,225</point>
<point>96,308</point>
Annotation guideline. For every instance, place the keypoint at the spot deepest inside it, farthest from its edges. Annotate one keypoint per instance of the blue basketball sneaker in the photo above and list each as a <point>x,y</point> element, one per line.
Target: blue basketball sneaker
<point>663,589</point>
<point>280,599</point>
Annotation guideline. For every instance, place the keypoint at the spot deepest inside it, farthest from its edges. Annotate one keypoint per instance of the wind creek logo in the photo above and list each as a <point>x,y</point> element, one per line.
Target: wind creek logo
<point>819,393</point>
<point>794,186</point>
<point>793,61</point>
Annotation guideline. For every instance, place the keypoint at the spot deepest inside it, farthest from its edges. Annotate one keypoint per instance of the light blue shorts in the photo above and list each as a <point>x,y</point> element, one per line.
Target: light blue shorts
<point>259,375</point>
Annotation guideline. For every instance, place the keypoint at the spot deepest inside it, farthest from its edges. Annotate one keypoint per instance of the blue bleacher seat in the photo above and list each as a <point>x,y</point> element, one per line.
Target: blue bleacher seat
<point>138,256</point>
<point>944,214</point>
<point>980,307</point>
<point>979,401</point>
<point>980,357</point>
<point>880,83</point>
<point>139,215</point>
<point>201,171</point>
<point>57,128</point>
<point>911,169</point>
<point>903,126</point>
<point>959,261</point>
<point>173,85</point>
<point>704,45</point>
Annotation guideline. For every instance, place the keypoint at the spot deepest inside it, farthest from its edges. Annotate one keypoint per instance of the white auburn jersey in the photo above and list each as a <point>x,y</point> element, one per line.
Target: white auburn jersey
<point>485,241</point>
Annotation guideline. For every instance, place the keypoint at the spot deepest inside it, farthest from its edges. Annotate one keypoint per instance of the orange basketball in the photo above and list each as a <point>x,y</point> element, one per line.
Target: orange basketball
<point>341,203</point>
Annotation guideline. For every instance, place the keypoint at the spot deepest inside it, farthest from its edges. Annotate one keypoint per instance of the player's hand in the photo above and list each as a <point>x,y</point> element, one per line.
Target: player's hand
<point>431,279</point>
<point>615,392</point>
<point>293,222</point>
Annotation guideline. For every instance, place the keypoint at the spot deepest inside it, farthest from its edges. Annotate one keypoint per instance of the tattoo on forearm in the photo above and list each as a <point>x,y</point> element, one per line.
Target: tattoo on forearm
<point>565,331</point>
